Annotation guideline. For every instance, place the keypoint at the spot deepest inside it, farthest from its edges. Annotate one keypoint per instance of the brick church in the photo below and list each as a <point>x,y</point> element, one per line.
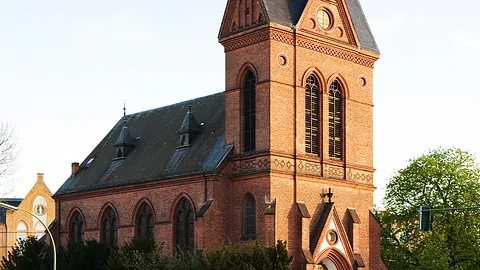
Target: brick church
<point>285,152</point>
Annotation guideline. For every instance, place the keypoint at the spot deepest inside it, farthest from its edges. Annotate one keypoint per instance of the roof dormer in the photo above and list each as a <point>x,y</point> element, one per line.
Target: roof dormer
<point>188,130</point>
<point>125,142</point>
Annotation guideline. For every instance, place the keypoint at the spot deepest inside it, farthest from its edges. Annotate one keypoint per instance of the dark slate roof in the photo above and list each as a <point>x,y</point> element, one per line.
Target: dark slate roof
<point>288,12</point>
<point>279,12</point>
<point>3,211</point>
<point>365,35</point>
<point>156,156</point>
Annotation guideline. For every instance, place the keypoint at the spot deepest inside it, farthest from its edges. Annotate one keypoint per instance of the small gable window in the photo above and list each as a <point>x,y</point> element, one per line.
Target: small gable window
<point>184,225</point>
<point>145,222</point>
<point>335,121</point>
<point>119,153</point>
<point>77,228</point>
<point>312,112</point>
<point>109,231</point>
<point>249,111</point>
<point>249,224</point>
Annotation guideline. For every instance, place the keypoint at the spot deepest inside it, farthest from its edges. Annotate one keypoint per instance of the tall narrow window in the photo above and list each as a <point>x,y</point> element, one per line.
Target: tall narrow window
<point>249,111</point>
<point>22,231</point>
<point>311,115</point>
<point>335,132</point>
<point>249,224</point>
<point>77,228</point>
<point>144,221</point>
<point>184,225</point>
<point>109,233</point>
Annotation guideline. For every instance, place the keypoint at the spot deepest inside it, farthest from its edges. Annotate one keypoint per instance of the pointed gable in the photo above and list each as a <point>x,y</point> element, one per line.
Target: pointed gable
<point>349,24</point>
<point>329,234</point>
<point>242,15</point>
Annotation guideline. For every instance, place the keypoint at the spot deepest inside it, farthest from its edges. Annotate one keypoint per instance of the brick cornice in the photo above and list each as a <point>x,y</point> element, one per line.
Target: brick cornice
<point>260,35</point>
<point>137,187</point>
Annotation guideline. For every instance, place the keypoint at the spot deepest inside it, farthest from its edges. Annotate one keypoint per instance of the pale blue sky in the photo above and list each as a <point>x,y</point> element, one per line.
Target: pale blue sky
<point>66,68</point>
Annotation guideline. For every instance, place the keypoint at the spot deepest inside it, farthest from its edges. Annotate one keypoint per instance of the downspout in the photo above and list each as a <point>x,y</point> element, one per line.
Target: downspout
<point>295,113</point>
<point>205,188</point>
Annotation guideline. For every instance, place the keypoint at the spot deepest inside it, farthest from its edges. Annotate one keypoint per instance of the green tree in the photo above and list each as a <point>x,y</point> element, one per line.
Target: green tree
<point>441,178</point>
<point>27,254</point>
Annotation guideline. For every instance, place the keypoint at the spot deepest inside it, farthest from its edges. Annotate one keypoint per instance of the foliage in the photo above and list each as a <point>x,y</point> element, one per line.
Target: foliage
<point>27,254</point>
<point>91,255</point>
<point>9,151</point>
<point>143,253</point>
<point>441,178</point>
<point>140,253</point>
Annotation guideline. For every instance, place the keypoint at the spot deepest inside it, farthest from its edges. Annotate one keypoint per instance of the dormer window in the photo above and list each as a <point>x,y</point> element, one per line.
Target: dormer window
<point>125,142</point>
<point>119,153</point>
<point>189,129</point>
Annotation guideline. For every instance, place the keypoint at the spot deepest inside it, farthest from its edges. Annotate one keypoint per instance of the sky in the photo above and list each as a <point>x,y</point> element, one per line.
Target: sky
<point>66,68</point>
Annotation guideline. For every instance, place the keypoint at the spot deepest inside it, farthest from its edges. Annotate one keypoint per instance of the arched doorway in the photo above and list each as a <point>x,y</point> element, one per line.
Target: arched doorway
<point>334,260</point>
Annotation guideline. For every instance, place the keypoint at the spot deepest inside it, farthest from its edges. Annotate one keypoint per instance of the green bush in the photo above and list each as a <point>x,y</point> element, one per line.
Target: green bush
<point>140,253</point>
<point>143,253</point>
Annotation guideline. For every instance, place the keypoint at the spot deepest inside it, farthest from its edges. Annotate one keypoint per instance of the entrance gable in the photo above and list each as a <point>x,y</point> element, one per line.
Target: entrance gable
<point>332,238</point>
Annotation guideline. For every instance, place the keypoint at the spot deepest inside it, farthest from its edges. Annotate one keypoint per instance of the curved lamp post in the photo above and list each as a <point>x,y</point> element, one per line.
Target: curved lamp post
<point>11,207</point>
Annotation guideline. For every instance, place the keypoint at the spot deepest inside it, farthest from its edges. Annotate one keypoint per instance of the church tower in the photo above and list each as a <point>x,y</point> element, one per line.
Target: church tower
<point>299,113</point>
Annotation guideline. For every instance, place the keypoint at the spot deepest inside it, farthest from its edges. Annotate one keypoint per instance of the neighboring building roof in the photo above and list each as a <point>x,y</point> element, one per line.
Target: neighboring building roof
<point>10,201</point>
<point>156,155</point>
<point>288,12</point>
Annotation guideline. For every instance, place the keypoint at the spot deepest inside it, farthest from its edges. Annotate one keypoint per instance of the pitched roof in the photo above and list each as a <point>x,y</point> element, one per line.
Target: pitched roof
<point>3,211</point>
<point>360,23</point>
<point>156,155</point>
<point>320,224</point>
<point>288,12</point>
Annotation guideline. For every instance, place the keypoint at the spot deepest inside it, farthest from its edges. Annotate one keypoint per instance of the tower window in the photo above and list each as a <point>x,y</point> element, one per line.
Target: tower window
<point>249,224</point>
<point>145,222</point>
<point>335,130</point>
<point>109,233</point>
<point>184,225</point>
<point>311,115</point>
<point>249,111</point>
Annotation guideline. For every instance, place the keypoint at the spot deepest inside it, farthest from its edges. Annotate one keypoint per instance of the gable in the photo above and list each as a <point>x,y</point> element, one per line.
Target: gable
<point>328,20</point>
<point>349,25</point>
<point>241,15</point>
<point>329,224</point>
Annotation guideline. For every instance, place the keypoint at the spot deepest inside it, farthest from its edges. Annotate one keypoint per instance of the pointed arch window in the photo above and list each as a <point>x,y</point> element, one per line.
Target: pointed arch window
<point>249,217</point>
<point>145,222</point>
<point>312,111</point>
<point>249,111</point>
<point>109,232</point>
<point>184,225</point>
<point>335,121</point>
<point>77,228</point>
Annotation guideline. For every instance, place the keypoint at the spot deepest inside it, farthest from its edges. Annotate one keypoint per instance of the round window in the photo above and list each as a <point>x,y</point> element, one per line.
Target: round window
<point>40,210</point>
<point>332,237</point>
<point>324,19</point>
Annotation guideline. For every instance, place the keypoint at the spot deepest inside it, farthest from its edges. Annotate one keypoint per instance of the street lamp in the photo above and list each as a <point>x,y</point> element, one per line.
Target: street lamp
<point>11,207</point>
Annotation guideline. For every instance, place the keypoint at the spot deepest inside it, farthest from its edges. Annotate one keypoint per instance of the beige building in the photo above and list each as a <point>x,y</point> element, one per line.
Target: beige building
<point>16,225</point>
